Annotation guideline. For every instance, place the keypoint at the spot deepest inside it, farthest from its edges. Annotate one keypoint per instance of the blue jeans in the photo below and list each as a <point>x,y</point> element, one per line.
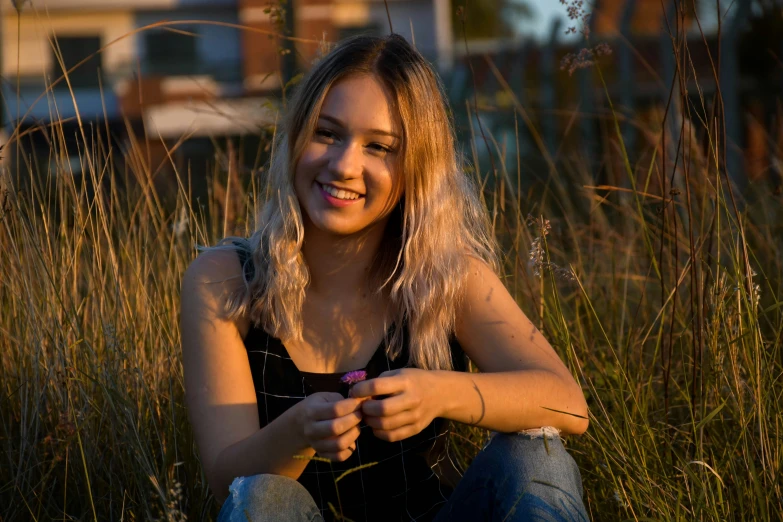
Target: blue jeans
<point>515,478</point>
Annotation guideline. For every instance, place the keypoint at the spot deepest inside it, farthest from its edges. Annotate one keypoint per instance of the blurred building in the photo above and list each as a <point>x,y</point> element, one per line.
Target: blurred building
<point>568,113</point>
<point>647,19</point>
<point>179,68</point>
<point>425,22</point>
<point>162,71</point>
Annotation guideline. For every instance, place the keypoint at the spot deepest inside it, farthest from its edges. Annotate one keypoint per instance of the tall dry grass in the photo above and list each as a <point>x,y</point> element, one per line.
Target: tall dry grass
<point>662,295</point>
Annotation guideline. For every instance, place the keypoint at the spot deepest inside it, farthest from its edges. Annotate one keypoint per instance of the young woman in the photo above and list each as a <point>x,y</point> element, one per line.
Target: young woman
<point>373,253</point>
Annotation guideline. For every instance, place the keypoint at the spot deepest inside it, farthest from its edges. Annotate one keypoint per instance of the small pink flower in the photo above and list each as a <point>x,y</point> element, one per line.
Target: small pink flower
<point>354,377</point>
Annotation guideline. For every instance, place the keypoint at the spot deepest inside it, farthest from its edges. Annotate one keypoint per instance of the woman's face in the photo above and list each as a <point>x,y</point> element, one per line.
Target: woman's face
<point>346,179</point>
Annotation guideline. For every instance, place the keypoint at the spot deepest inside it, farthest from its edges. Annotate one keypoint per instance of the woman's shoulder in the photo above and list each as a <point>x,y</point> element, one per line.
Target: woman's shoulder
<point>216,266</point>
<point>213,277</point>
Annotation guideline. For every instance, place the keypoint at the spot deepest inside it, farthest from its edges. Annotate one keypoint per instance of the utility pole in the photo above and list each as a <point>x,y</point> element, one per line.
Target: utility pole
<point>288,61</point>
<point>5,115</point>
<point>3,133</point>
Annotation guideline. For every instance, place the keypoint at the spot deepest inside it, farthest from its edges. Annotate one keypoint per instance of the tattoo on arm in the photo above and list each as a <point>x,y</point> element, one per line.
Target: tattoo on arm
<point>483,407</point>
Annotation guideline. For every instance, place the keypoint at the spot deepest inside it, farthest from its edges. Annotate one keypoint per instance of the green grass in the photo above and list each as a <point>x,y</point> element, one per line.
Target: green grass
<point>663,298</point>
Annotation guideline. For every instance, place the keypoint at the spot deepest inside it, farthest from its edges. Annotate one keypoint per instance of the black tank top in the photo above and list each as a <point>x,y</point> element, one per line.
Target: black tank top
<point>401,485</point>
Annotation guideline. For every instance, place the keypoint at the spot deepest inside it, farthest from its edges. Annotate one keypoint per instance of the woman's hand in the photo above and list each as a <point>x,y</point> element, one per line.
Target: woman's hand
<point>413,402</point>
<point>329,424</point>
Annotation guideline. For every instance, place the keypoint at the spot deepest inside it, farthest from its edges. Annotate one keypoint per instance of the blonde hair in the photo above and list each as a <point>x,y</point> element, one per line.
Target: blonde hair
<point>422,264</point>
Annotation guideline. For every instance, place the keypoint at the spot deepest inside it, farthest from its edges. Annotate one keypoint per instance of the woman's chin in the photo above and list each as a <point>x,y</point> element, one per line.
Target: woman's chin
<point>335,229</point>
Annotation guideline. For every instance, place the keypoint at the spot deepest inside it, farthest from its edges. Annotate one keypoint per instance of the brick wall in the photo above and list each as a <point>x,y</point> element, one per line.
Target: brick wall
<point>647,21</point>
<point>260,49</point>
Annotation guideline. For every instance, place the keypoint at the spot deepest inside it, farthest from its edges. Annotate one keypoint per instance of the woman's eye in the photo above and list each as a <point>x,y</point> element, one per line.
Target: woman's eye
<point>324,133</point>
<point>379,149</point>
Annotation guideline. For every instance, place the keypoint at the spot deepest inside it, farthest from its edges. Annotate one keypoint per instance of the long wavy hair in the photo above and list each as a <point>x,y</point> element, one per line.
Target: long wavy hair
<point>422,264</point>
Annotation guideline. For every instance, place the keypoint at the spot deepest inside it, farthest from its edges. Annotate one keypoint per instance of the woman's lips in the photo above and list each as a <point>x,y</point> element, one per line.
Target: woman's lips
<point>336,202</point>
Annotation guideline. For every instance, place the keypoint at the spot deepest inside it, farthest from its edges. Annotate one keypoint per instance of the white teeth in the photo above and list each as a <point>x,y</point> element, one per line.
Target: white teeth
<point>340,194</point>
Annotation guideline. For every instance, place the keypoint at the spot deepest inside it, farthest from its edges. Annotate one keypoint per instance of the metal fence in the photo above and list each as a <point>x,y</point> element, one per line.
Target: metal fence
<point>640,74</point>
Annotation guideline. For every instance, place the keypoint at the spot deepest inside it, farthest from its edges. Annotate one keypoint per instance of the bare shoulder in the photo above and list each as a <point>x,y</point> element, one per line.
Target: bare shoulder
<point>481,279</point>
<point>494,331</point>
<point>209,280</point>
<point>215,268</point>
<point>478,266</point>
<point>483,291</point>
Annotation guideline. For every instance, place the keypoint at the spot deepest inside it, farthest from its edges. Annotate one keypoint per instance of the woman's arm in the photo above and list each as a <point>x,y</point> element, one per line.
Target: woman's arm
<point>523,383</point>
<point>512,401</point>
<point>219,392</point>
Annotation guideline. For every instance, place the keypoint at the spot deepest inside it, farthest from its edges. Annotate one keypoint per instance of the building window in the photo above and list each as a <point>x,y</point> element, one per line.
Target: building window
<point>172,53</point>
<point>74,49</point>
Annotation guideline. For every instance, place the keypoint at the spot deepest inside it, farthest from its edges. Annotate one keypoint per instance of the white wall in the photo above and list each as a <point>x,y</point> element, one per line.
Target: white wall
<point>35,50</point>
<point>111,5</point>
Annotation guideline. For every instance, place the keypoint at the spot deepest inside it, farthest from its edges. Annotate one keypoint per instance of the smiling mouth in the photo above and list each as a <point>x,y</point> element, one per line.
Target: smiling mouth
<point>326,189</point>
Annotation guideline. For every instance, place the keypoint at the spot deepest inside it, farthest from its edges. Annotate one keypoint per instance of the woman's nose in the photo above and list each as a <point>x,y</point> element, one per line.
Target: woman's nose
<point>347,160</point>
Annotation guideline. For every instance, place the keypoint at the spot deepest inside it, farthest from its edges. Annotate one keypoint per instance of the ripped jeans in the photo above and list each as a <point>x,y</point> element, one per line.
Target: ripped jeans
<point>515,477</point>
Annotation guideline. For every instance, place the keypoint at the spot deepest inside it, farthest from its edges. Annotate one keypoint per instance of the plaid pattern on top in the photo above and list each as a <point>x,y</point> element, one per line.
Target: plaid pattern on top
<point>401,485</point>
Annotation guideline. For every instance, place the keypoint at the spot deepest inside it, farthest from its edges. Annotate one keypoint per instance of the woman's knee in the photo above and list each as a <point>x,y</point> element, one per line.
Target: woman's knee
<point>536,475</point>
<point>268,497</point>
<point>541,454</point>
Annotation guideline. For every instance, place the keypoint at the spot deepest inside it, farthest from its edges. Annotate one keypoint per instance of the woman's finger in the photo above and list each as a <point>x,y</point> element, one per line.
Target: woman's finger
<point>334,427</point>
<point>379,386</point>
<point>385,407</point>
<point>332,410</point>
<point>329,396</point>
<point>341,456</point>
<point>337,444</point>
<point>391,422</point>
<point>396,434</point>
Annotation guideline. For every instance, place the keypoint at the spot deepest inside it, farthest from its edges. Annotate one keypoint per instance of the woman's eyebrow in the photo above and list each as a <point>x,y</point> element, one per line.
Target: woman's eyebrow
<point>370,131</point>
